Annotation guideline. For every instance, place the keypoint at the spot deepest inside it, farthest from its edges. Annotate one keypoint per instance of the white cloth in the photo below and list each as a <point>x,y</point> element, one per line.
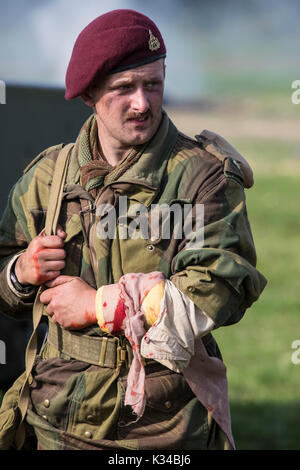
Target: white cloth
<point>171,339</point>
<point>175,341</point>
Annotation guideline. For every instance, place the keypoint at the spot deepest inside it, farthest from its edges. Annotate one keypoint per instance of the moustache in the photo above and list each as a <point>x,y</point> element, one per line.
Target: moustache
<point>138,115</point>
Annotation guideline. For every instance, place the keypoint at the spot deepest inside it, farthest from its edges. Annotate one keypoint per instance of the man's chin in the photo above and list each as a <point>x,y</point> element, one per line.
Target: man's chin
<point>143,136</point>
<point>141,140</point>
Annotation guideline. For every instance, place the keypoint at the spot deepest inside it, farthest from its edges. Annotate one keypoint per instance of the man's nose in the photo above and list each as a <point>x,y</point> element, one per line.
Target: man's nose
<point>140,101</point>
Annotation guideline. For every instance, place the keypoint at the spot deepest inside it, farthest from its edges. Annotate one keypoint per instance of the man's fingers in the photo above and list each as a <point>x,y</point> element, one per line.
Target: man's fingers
<point>50,241</point>
<point>46,297</point>
<point>52,266</point>
<point>59,280</point>
<point>47,294</point>
<point>60,232</point>
<point>54,254</point>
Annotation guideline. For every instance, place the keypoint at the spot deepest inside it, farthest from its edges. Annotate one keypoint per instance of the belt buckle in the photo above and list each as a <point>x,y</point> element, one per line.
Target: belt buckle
<point>121,354</point>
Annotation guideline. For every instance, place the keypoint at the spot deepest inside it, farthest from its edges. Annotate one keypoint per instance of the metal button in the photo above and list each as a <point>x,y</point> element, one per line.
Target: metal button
<point>88,434</point>
<point>45,417</point>
<point>150,247</point>
<point>90,418</point>
<point>191,289</point>
<point>46,403</point>
<point>168,404</point>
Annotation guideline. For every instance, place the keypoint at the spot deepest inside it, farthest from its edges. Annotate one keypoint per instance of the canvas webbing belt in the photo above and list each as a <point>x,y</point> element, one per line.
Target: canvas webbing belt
<point>97,350</point>
<point>53,210</point>
<point>100,351</point>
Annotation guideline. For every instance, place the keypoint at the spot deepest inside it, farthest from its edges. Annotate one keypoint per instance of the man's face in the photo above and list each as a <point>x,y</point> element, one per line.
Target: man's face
<point>128,105</point>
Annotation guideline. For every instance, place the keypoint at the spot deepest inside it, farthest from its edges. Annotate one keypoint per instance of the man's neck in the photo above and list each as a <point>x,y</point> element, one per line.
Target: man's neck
<point>112,155</point>
<point>110,150</point>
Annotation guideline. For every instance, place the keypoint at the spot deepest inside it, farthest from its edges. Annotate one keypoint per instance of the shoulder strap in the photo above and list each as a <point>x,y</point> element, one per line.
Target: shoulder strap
<point>53,210</point>
<point>57,187</point>
<point>220,148</point>
<point>41,155</point>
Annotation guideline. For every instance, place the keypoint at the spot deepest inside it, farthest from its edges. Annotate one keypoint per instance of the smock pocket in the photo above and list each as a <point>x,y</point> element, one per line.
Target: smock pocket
<point>170,405</point>
<point>10,416</point>
<point>9,421</point>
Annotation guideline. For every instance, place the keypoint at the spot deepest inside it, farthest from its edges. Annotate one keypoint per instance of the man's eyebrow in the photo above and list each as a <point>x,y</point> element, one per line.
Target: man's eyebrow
<point>154,79</point>
<point>120,81</point>
<point>127,81</point>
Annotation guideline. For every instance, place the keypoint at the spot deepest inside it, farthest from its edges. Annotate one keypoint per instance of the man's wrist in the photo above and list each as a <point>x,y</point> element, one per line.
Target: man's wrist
<point>18,270</point>
<point>22,289</point>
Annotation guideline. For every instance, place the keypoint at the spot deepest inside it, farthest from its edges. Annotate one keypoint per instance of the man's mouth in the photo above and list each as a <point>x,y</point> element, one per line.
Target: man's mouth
<point>139,119</point>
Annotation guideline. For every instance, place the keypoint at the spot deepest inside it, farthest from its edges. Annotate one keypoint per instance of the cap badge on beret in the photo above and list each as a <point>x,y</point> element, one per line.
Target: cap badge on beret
<point>154,43</point>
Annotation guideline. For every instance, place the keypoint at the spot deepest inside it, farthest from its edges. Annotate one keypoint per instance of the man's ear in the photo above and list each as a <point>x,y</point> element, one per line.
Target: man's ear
<point>88,99</point>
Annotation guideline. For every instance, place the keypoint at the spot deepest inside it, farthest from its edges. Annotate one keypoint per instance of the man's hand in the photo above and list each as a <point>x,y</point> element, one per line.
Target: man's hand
<point>43,260</point>
<point>70,302</point>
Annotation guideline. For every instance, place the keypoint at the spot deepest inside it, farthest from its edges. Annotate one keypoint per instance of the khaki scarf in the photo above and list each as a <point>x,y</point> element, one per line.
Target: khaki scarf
<point>94,170</point>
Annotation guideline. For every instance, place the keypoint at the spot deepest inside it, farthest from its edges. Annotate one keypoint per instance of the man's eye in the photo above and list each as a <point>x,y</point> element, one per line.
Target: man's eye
<point>124,87</point>
<point>152,84</point>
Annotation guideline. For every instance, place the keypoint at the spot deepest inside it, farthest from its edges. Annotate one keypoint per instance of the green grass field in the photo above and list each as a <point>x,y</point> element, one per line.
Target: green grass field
<point>263,381</point>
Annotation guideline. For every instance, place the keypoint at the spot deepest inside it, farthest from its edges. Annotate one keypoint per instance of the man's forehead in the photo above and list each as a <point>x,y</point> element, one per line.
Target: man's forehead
<point>152,70</point>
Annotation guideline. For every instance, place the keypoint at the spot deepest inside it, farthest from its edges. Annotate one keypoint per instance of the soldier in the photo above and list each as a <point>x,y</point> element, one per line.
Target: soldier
<point>130,361</point>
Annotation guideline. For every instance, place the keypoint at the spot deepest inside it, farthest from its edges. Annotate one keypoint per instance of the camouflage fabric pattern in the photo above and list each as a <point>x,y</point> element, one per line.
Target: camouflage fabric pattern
<point>220,278</point>
<point>81,406</point>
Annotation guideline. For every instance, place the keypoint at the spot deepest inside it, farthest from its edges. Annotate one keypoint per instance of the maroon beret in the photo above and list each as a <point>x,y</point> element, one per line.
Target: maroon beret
<point>113,42</point>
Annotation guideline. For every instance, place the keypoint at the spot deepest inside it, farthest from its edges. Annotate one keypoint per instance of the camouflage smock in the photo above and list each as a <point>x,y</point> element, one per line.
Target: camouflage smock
<point>76,405</point>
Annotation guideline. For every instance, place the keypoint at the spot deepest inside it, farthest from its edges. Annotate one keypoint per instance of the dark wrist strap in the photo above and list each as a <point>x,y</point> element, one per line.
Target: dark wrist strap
<point>17,285</point>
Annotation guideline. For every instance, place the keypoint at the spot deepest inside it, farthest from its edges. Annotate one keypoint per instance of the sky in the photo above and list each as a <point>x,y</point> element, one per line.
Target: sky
<point>206,41</point>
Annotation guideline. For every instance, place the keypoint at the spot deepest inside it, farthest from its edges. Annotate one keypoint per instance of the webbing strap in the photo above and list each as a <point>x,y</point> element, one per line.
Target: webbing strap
<point>57,187</point>
<point>53,210</point>
<point>102,351</point>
